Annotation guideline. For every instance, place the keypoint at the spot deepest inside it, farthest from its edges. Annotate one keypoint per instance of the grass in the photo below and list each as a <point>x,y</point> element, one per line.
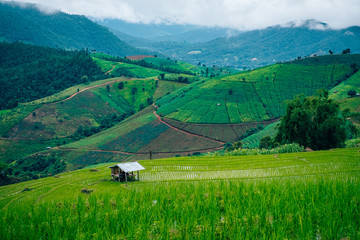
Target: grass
<point>166,87</point>
<point>340,91</point>
<point>11,150</point>
<point>69,91</point>
<point>135,136</point>
<point>138,120</point>
<point>253,140</point>
<point>176,65</point>
<point>116,69</point>
<point>9,118</point>
<point>257,95</point>
<point>313,195</point>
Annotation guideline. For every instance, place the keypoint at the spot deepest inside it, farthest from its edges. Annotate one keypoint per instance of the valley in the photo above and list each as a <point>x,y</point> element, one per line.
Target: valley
<point>240,133</point>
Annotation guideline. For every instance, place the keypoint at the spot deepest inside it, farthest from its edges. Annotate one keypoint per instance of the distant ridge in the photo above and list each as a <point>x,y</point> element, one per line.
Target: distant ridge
<point>25,22</point>
<point>251,49</point>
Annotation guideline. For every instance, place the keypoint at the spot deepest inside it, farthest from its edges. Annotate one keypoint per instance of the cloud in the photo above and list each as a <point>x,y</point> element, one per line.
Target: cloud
<point>244,14</point>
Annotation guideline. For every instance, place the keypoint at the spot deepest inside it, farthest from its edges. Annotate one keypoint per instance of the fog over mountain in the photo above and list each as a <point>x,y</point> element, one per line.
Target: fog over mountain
<point>242,15</point>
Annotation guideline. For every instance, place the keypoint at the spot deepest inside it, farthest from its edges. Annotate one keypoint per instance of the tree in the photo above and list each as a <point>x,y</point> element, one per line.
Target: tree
<point>351,93</point>
<point>266,143</point>
<point>233,146</point>
<point>346,51</point>
<point>314,122</point>
<point>162,76</point>
<point>121,85</point>
<point>133,90</point>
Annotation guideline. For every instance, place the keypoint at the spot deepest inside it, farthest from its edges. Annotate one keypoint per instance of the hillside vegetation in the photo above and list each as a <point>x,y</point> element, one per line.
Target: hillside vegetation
<point>30,72</point>
<point>25,22</point>
<point>261,47</point>
<point>293,196</point>
<point>257,95</point>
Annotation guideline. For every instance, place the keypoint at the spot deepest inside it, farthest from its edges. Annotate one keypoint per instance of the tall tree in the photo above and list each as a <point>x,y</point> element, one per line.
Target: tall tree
<point>314,122</point>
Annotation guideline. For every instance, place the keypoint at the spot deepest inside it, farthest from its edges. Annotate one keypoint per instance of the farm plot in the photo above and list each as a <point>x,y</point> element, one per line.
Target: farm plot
<point>253,140</point>
<point>136,139</point>
<point>221,132</point>
<point>173,141</point>
<point>173,65</point>
<point>257,95</point>
<point>63,118</point>
<point>285,196</point>
<point>130,124</point>
<point>166,87</point>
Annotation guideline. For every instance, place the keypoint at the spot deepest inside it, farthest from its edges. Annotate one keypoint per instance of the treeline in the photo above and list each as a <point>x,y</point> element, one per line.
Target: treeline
<point>143,63</point>
<point>32,167</point>
<point>105,123</point>
<point>30,72</point>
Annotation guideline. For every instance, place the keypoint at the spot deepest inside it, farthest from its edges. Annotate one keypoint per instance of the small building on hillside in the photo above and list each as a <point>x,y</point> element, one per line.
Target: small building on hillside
<point>124,172</point>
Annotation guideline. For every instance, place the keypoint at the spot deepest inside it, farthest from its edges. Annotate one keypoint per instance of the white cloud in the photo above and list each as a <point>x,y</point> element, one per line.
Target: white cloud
<point>242,14</point>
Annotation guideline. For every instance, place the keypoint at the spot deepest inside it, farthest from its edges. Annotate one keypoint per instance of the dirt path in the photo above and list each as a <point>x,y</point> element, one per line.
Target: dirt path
<point>85,89</point>
<point>113,67</point>
<point>188,133</point>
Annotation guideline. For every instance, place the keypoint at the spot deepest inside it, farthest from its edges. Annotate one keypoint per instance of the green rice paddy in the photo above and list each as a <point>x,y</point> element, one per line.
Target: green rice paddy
<point>314,195</point>
<point>257,95</point>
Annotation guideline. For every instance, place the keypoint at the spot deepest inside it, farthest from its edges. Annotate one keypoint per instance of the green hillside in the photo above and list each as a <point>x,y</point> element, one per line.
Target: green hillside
<point>72,114</point>
<point>257,95</point>
<point>25,22</point>
<point>30,72</point>
<point>284,196</point>
<point>133,138</point>
<point>118,69</point>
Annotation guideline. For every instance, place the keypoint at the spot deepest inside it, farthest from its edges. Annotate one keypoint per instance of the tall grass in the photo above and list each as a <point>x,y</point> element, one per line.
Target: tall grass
<point>319,208</point>
<point>287,148</point>
<point>308,195</point>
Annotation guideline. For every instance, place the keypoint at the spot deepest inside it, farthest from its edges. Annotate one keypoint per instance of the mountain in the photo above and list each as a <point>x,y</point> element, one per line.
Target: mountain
<point>262,47</point>
<point>168,32</point>
<point>250,49</point>
<point>27,23</point>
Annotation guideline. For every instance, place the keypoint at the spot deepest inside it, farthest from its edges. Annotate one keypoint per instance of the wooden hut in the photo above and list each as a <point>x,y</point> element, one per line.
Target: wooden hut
<point>125,171</point>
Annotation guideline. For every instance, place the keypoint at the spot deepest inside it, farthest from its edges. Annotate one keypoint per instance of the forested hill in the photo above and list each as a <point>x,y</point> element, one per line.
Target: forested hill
<point>26,23</point>
<point>30,72</point>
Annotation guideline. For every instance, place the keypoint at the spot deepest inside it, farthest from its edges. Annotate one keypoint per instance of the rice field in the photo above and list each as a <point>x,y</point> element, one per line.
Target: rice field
<point>257,95</point>
<point>314,195</point>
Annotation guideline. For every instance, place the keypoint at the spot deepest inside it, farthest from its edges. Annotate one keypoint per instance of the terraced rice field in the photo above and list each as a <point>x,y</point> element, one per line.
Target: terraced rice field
<point>311,195</point>
<point>253,96</point>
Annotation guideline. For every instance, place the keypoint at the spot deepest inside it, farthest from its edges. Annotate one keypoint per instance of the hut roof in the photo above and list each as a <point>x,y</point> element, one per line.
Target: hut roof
<point>129,167</point>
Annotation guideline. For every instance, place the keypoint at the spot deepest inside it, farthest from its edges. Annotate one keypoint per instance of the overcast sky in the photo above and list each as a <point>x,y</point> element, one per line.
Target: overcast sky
<point>241,14</point>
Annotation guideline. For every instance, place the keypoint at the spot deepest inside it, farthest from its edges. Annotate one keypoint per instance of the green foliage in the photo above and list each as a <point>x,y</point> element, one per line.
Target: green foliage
<point>286,148</point>
<point>25,22</point>
<point>281,196</point>
<point>352,143</point>
<point>105,123</point>
<point>253,140</point>
<point>260,97</point>
<point>266,143</point>
<point>233,146</point>
<point>36,166</point>
<point>121,85</point>
<point>40,72</point>
<point>351,93</point>
<point>314,122</point>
